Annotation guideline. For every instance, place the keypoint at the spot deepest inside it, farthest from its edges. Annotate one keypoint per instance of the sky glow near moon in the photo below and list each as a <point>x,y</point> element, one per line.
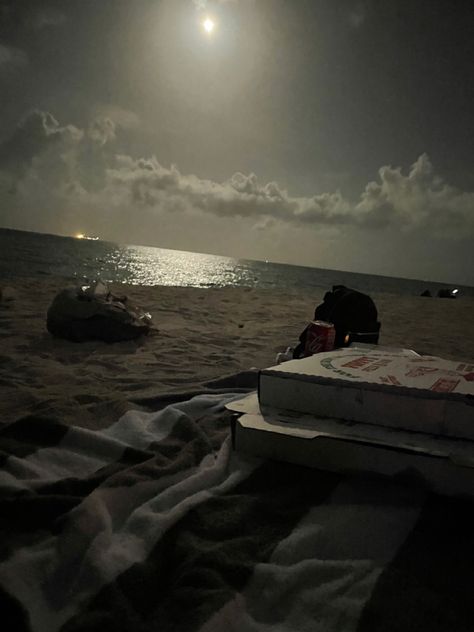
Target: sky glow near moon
<point>209,25</point>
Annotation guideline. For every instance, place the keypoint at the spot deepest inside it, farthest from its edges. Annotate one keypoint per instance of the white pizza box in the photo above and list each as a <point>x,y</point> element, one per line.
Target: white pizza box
<point>392,388</point>
<point>444,465</point>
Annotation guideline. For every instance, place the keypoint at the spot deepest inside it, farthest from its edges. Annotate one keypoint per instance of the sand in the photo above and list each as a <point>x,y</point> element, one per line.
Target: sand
<point>202,335</point>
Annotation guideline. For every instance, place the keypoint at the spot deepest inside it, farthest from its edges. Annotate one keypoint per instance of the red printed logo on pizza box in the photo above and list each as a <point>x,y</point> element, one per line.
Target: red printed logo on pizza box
<point>444,385</point>
<point>419,371</point>
<point>389,379</point>
<point>465,367</point>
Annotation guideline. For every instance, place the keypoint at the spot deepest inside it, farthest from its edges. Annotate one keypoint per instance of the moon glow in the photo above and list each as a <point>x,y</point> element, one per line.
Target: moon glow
<point>209,25</point>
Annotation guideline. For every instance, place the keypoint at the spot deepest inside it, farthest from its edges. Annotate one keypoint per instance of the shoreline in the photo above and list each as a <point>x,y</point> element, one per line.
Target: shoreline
<point>203,334</point>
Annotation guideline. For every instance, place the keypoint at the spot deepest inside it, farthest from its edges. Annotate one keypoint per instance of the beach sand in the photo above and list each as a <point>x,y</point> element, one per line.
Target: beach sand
<point>202,335</point>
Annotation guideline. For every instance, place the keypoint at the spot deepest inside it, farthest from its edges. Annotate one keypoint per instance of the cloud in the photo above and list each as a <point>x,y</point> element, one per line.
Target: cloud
<point>47,18</point>
<point>418,200</point>
<point>12,58</point>
<point>357,16</point>
<point>126,119</point>
<point>17,15</point>
<point>101,130</point>
<point>71,168</point>
<point>39,142</point>
<point>202,5</point>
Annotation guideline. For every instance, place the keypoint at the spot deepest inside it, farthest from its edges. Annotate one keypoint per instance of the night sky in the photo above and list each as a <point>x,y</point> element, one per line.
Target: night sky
<point>337,134</point>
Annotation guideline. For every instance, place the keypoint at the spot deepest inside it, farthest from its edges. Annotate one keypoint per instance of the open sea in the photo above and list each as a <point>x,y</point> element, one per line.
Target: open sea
<point>26,254</point>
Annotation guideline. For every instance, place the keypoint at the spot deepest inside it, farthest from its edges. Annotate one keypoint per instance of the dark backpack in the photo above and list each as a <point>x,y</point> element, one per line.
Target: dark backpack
<point>353,314</point>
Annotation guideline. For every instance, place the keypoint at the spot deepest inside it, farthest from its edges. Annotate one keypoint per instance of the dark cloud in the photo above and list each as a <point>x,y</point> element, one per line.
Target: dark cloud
<point>357,15</point>
<point>38,137</point>
<point>47,18</point>
<point>11,58</point>
<point>28,15</point>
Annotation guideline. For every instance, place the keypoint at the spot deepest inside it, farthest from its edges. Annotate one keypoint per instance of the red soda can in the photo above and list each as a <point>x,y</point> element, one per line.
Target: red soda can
<point>319,337</point>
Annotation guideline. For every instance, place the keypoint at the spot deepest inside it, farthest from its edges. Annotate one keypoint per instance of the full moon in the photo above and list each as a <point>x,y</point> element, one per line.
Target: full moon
<point>208,25</point>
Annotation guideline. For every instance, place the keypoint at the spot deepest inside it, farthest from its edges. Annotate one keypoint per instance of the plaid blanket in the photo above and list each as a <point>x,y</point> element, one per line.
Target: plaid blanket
<point>156,524</point>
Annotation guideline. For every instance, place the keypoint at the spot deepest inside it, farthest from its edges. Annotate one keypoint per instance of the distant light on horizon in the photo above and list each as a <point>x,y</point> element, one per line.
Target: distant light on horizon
<point>88,237</point>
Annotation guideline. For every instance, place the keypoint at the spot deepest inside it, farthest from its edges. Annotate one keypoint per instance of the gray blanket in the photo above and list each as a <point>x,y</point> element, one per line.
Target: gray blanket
<point>155,523</point>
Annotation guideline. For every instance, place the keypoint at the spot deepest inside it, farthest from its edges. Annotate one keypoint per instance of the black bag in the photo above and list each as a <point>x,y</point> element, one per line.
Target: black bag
<point>353,314</point>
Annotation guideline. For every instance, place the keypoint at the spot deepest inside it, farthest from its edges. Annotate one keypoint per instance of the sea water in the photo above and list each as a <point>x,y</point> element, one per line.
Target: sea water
<point>26,254</point>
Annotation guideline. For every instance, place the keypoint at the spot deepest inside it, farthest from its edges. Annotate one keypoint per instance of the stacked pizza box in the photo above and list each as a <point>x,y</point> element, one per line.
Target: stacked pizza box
<point>395,389</point>
<point>366,408</point>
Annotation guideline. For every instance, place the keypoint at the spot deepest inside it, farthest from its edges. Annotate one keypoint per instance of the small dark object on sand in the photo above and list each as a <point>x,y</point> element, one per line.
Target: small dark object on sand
<point>426,293</point>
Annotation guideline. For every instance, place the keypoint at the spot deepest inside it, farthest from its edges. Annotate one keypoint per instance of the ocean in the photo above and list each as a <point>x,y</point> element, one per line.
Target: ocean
<point>27,254</point>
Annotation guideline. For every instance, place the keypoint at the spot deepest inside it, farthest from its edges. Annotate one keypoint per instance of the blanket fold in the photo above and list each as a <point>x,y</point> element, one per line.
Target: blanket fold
<point>155,523</point>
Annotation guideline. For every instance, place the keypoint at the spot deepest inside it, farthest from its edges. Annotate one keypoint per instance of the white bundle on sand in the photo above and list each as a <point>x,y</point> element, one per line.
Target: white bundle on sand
<point>94,313</point>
